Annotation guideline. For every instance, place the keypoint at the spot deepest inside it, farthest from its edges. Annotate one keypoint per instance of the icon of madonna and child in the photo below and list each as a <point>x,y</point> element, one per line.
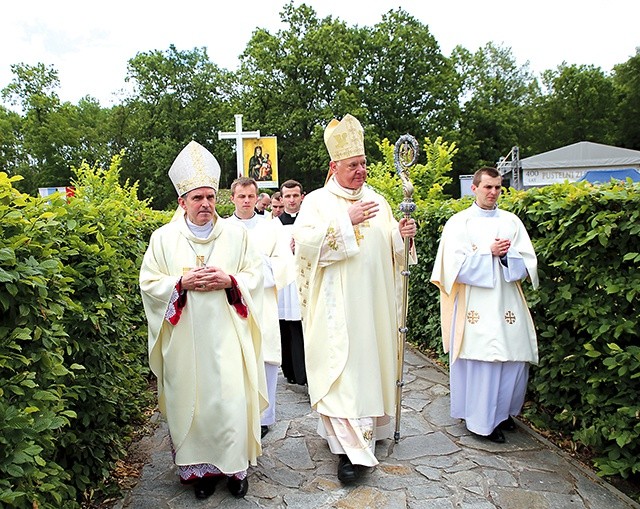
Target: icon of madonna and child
<point>260,166</point>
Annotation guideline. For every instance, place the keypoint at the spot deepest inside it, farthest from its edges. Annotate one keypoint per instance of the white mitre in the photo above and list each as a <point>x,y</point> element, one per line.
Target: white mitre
<point>194,167</point>
<point>344,138</point>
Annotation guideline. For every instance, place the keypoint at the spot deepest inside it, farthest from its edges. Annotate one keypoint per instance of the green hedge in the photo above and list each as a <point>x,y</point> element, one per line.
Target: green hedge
<point>586,312</point>
<point>74,374</point>
<point>34,408</point>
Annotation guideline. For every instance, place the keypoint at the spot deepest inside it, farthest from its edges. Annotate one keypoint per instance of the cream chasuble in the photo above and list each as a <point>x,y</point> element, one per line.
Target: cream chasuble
<point>483,307</point>
<point>349,286</point>
<point>210,370</point>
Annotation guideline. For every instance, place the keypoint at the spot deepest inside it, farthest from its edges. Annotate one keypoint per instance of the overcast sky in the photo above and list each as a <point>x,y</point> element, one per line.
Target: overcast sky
<point>89,43</point>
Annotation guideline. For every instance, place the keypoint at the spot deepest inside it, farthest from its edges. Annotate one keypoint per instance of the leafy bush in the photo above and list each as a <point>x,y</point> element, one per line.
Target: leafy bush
<point>73,355</point>
<point>104,232</point>
<point>35,297</point>
<point>429,179</point>
<point>586,312</point>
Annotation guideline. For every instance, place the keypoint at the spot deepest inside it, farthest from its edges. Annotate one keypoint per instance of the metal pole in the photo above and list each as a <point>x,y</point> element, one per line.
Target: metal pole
<point>405,154</point>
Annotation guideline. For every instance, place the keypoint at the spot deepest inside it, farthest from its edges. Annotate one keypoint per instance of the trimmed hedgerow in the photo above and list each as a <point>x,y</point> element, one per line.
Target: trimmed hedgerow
<point>73,362</point>
<point>34,376</point>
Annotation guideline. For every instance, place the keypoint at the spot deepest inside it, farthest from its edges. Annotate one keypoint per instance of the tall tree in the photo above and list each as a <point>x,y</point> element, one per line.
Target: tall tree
<point>626,79</point>
<point>33,88</point>
<point>294,81</point>
<point>33,91</point>
<point>578,104</point>
<point>52,136</point>
<point>11,151</point>
<point>408,85</point>
<point>497,96</point>
<point>178,96</point>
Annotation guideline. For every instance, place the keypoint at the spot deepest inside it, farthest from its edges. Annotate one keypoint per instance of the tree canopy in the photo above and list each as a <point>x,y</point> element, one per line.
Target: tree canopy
<point>291,83</point>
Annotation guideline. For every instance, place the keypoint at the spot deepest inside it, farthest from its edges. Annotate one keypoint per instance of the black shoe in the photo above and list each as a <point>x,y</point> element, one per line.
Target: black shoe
<point>205,487</point>
<point>237,487</point>
<point>346,471</point>
<point>263,431</point>
<point>496,436</point>
<point>507,425</point>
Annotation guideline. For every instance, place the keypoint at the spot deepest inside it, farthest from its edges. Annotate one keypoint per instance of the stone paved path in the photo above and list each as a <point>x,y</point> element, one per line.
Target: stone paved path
<point>436,464</point>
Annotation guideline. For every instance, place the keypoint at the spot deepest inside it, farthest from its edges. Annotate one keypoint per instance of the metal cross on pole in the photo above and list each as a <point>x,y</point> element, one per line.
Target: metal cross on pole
<point>238,135</point>
<point>405,155</point>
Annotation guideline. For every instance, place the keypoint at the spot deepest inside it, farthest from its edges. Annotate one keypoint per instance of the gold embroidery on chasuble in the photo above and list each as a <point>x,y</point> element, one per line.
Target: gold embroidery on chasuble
<point>359,236</point>
<point>332,240</point>
<point>510,317</point>
<point>199,263</point>
<point>474,247</point>
<point>368,435</point>
<point>473,317</point>
<point>358,233</point>
<point>305,274</point>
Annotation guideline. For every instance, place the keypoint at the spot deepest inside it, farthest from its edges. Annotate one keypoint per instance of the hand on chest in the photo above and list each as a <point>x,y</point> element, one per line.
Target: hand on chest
<point>482,232</point>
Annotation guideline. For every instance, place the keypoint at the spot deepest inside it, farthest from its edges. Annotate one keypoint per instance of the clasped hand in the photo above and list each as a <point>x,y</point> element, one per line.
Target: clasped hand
<point>407,227</point>
<point>206,279</point>
<point>500,247</point>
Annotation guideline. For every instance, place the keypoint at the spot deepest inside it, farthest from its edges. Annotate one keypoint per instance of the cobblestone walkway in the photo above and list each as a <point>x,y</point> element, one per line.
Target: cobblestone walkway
<point>436,464</point>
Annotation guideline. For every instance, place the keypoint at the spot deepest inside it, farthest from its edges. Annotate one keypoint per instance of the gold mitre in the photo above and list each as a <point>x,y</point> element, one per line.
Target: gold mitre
<point>194,167</point>
<point>345,138</point>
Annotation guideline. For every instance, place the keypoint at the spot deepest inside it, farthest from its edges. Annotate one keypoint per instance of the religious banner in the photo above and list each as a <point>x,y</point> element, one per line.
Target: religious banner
<point>261,160</point>
<point>544,177</point>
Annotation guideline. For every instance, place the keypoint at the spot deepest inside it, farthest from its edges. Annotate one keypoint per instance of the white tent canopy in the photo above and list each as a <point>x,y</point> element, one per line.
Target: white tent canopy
<point>571,162</point>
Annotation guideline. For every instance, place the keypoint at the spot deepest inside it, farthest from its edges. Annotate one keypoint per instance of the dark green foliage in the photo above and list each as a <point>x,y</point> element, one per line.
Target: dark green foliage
<point>181,96</point>
<point>408,85</point>
<point>104,231</point>
<point>626,79</point>
<point>292,83</point>
<point>495,101</point>
<point>588,379</point>
<point>424,309</point>
<point>587,385</point>
<point>73,367</point>
<point>34,409</point>
<point>580,106</point>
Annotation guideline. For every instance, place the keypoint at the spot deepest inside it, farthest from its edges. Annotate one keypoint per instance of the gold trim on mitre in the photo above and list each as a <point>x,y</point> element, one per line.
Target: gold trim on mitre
<point>345,138</point>
<point>194,167</point>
